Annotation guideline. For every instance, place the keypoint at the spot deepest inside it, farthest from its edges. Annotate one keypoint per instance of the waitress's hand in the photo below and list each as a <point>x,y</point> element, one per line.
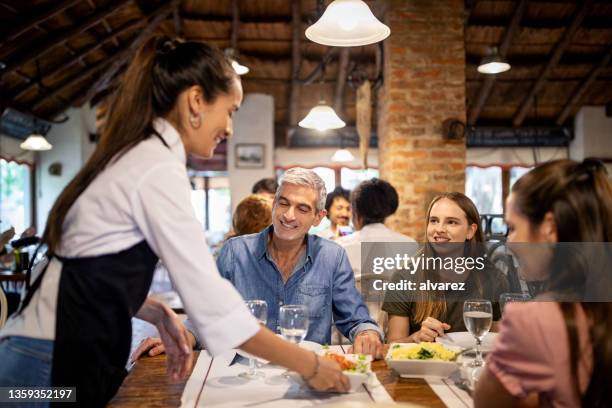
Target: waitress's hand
<point>153,346</point>
<point>173,334</point>
<point>430,329</point>
<point>175,339</point>
<point>329,377</point>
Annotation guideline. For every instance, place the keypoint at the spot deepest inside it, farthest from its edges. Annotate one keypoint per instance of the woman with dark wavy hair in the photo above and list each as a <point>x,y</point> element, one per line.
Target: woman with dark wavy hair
<point>557,350</point>
<point>128,206</point>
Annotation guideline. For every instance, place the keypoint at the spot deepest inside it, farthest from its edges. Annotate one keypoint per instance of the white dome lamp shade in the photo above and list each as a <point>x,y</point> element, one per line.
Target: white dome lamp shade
<point>36,142</point>
<point>493,64</point>
<point>239,68</point>
<point>343,156</point>
<point>347,23</point>
<point>322,117</point>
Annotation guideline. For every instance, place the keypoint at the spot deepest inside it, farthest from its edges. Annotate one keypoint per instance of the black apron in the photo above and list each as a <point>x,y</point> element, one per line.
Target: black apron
<point>96,300</point>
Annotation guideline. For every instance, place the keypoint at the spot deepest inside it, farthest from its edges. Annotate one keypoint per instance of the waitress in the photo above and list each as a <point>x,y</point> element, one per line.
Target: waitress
<point>128,206</point>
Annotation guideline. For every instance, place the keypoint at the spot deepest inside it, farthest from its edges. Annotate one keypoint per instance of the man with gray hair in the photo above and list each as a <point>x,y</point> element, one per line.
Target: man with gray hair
<point>284,265</point>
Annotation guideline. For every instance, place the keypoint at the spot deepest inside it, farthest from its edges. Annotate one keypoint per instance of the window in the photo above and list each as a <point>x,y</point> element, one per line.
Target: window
<point>211,201</point>
<point>16,194</point>
<point>516,173</point>
<point>351,178</point>
<point>484,187</point>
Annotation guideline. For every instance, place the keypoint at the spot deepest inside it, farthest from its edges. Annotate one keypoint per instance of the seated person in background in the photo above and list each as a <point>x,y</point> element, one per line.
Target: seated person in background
<point>372,202</point>
<point>252,215</point>
<point>548,353</point>
<point>266,187</point>
<point>285,265</point>
<point>416,316</point>
<point>338,209</point>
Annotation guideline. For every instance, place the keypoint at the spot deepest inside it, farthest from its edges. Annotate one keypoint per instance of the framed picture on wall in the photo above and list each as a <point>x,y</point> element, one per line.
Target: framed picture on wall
<point>250,156</point>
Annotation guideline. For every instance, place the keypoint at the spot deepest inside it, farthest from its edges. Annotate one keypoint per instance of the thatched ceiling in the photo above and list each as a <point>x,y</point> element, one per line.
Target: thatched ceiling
<point>59,53</point>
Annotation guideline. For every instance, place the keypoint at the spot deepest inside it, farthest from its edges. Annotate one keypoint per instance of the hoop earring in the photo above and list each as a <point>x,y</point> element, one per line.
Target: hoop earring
<point>195,120</point>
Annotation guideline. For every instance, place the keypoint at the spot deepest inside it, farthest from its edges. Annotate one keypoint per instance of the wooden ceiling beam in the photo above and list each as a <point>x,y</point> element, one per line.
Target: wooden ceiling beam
<point>178,24</point>
<point>37,19</point>
<point>582,87</point>
<point>487,86</point>
<point>159,16</point>
<point>235,24</point>
<point>60,38</point>
<point>80,56</point>
<point>70,82</point>
<point>558,51</point>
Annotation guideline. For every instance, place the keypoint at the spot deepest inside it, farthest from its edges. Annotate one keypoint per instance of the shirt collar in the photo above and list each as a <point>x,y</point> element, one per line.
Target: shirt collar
<point>262,244</point>
<point>172,138</point>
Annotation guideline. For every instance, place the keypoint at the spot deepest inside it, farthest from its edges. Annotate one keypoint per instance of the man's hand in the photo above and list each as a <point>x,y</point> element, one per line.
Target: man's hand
<point>368,342</point>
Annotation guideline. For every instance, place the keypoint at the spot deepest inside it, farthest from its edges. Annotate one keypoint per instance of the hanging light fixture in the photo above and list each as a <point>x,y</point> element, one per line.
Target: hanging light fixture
<point>322,117</point>
<point>36,142</point>
<point>238,68</point>
<point>342,156</point>
<point>493,64</point>
<point>347,23</point>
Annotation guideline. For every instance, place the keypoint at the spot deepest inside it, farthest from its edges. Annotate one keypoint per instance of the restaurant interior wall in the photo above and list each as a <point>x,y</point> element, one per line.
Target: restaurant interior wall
<point>253,124</point>
<point>592,135</point>
<point>71,148</point>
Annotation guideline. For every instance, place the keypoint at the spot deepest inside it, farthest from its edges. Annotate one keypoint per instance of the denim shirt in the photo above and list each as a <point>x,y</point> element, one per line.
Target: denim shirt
<point>323,281</point>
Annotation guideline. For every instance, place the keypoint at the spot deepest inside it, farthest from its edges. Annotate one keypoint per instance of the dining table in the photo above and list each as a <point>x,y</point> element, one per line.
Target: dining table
<point>147,383</point>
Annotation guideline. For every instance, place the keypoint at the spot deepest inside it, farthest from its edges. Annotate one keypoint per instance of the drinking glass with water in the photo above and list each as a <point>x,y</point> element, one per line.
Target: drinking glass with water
<point>259,309</point>
<point>478,317</point>
<point>293,322</point>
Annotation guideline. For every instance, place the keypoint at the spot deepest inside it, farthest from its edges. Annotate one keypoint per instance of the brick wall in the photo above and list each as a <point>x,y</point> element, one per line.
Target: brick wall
<point>424,69</point>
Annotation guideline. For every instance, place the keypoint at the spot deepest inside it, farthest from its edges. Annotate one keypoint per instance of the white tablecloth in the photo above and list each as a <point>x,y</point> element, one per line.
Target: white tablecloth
<point>214,383</point>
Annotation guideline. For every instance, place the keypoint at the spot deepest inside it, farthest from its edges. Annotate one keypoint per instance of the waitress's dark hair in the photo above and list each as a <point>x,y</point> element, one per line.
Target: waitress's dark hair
<point>160,71</point>
<point>579,196</point>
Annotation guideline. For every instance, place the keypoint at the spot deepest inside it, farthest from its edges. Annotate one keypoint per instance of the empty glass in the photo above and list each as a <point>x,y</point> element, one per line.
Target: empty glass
<point>259,309</point>
<point>505,298</point>
<point>478,317</point>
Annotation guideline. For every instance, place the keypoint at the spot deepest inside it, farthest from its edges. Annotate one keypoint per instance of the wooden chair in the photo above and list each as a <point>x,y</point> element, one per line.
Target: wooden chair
<point>3,307</point>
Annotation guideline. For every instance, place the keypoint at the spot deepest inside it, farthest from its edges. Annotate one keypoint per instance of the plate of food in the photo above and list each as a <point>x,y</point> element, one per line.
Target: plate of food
<point>422,359</point>
<point>466,340</point>
<point>357,367</point>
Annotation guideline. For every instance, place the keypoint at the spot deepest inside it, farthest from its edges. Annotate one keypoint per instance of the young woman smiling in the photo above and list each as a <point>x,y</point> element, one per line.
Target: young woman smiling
<point>452,231</point>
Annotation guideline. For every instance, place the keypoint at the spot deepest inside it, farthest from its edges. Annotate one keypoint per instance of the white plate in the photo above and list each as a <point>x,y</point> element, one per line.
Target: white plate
<point>420,368</point>
<point>308,345</point>
<point>465,340</point>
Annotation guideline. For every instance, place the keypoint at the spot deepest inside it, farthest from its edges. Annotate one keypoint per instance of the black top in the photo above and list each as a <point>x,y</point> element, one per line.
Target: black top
<point>492,284</point>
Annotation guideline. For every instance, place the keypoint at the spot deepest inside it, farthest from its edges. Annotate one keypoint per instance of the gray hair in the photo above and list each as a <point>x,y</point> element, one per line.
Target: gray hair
<point>306,178</point>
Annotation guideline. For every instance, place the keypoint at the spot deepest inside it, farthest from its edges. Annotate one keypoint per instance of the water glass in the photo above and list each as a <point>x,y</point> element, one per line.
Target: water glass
<point>259,309</point>
<point>293,322</point>
<point>478,317</point>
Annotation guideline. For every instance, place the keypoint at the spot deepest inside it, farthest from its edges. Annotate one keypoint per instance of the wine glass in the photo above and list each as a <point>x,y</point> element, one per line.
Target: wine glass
<point>259,309</point>
<point>293,322</point>
<point>478,316</point>
<point>505,298</point>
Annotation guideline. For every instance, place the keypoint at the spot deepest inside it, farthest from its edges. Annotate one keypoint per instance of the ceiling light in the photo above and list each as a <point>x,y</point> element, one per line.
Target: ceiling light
<point>342,155</point>
<point>36,142</point>
<point>322,117</point>
<point>493,64</point>
<point>240,69</point>
<point>347,23</point>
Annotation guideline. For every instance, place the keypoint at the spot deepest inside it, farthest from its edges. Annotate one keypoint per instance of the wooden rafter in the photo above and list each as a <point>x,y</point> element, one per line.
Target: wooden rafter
<point>178,25</point>
<point>341,80</point>
<point>235,24</point>
<point>60,38</point>
<point>70,82</point>
<point>557,53</point>
<point>159,16</point>
<point>294,94</point>
<point>37,19</point>
<point>489,80</point>
<point>80,56</point>
<point>583,86</point>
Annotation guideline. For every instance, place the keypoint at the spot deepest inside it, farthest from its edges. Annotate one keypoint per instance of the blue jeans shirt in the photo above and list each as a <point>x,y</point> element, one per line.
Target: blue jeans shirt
<point>323,281</point>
